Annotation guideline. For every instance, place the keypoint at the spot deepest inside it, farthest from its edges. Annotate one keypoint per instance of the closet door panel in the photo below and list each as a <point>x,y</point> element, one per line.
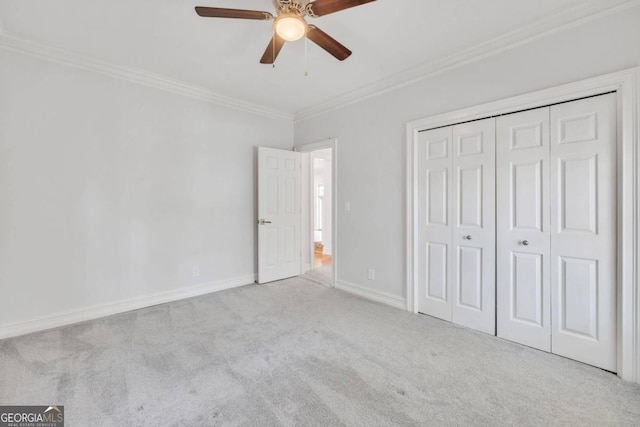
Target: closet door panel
<point>523,263</point>
<point>583,234</point>
<point>473,279</point>
<point>434,222</point>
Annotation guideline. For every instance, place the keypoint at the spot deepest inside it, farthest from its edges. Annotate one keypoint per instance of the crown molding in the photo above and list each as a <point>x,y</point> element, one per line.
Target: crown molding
<point>134,75</point>
<point>584,12</point>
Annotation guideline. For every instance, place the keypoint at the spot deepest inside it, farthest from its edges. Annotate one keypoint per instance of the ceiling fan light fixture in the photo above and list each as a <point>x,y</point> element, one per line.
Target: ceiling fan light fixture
<point>291,27</point>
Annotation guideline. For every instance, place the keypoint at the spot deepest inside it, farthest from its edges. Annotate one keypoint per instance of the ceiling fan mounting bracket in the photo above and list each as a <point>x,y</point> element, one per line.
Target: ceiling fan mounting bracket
<point>292,6</point>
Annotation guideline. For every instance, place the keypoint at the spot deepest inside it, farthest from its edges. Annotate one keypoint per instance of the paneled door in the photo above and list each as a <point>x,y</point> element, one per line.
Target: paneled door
<point>556,229</point>
<point>583,232</point>
<point>456,237</point>
<point>473,250</point>
<point>435,222</point>
<point>523,239</point>
<point>279,214</point>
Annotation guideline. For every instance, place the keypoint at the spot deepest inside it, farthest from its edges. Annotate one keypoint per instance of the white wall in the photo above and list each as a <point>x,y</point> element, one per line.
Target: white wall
<point>372,151</point>
<point>111,190</point>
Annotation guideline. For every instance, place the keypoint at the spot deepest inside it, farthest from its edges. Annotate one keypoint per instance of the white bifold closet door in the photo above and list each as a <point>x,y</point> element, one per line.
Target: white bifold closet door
<point>523,238</point>
<point>456,213</point>
<point>556,229</point>
<point>583,232</point>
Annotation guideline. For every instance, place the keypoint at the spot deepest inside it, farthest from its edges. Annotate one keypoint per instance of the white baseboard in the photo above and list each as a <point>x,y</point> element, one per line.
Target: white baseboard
<point>101,310</point>
<point>372,294</point>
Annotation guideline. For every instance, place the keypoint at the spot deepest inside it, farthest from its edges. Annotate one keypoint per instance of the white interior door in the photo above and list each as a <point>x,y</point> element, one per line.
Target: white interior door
<point>434,222</point>
<point>279,214</point>
<point>583,233</point>
<point>523,235</point>
<point>473,250</point>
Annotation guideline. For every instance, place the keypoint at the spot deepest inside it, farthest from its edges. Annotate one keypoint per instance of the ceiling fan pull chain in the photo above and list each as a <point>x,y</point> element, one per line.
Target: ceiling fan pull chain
<point>306,62</point>
<point>273,45</point>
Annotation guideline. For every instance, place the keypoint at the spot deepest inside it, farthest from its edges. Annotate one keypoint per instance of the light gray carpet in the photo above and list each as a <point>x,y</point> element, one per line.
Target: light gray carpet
<point>322,274</point>
<point>299,353</point>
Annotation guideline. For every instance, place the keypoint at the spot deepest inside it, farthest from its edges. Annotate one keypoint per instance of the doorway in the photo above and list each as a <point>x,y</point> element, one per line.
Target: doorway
<point>546,214</point>
<point>318,212</point>
<point>623,83</point>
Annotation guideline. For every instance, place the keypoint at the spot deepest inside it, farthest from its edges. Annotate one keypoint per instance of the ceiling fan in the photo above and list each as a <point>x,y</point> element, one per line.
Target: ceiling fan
<point>290,23</point>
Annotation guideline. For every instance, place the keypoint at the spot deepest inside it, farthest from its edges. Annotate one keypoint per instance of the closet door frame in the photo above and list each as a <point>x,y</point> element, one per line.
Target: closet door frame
<point>626,84</point>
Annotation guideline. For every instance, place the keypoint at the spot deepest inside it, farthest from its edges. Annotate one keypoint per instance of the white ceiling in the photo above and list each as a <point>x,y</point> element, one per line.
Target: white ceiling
<point>387,37</point>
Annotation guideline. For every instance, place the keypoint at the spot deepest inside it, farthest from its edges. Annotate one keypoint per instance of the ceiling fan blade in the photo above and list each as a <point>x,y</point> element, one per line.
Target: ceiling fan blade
<point>217,12</point>
<point>325,7</point>
<point>328,43</point>
<point>272,51</point>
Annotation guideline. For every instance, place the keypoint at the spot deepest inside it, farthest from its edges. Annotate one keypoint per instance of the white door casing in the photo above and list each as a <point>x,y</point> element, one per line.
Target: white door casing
<point>473,232</point>
<point>279,214</point>
<point>307,231</point>
<point>583,230</point>
<point>435,219</point>
<point>523,240</point>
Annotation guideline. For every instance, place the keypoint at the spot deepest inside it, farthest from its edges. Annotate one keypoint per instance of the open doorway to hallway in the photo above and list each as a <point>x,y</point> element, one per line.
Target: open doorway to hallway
<point>321,185</point>
<point>318,195</point>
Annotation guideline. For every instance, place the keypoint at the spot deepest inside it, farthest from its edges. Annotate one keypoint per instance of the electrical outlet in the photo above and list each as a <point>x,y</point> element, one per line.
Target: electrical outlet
<point>196,271</point>
<point>371,274</point>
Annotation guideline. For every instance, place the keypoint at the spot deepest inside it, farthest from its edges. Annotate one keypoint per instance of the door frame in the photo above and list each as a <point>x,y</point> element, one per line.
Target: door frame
<point>308,148</point>
<point>626,84</point>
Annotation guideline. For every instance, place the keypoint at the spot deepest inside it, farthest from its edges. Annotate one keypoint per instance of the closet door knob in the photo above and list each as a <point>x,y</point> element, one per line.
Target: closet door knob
<point>467,237</point>
<point>525,243</point>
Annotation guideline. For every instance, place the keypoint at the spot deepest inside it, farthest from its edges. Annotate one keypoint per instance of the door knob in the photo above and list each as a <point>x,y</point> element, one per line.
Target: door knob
<point>525,243</point>
<point>467,237</point>
<point>263,222</point>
